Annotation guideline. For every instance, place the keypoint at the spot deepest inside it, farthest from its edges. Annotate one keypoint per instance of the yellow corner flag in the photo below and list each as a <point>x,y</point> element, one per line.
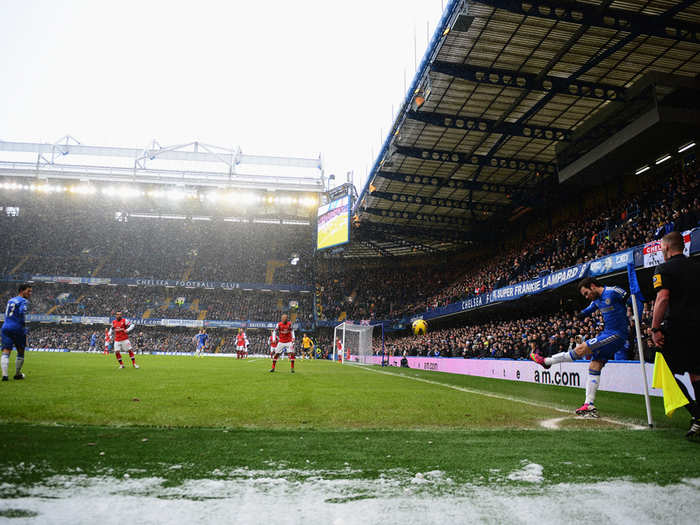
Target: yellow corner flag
<point>663,379</point>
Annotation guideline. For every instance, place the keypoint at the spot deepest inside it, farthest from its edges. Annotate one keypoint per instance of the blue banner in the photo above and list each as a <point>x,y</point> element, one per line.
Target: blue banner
<point>187,323</point>
<point>171,283</point>
<point>611,263</point>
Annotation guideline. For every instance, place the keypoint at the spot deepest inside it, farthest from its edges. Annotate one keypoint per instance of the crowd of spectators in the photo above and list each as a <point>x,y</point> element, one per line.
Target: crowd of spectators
<point>55,235</point>
<point>513,338</point>
<point>669,203</point>
<point>159,302</point>
<point>144,339</point>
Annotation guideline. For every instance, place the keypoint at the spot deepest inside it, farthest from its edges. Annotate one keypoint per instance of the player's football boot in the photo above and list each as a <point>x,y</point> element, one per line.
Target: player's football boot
<point>19,376</point>
<point>537,358</point>
<point>587,410</point>
<point>272,369</point>
<point>137,366</point>
<point>694,431</point>
<point>4,378</point>
<point>292,370</point>
<point>121,366</point>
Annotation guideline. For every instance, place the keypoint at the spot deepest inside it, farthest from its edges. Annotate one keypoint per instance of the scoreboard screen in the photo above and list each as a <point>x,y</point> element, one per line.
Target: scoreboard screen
<point>333,225</point>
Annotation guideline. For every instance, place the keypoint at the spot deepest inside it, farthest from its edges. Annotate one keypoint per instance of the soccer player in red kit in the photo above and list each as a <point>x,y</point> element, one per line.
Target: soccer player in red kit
<point>339,348</point>
<point>273,344</point>
<point>107,341</point>
<point>120,334</point>
<point>241,344</point>
<point>285,336</point>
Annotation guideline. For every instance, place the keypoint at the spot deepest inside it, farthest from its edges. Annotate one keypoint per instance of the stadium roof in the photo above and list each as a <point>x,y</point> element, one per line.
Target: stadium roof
<point>195,165</point>
<point>501,84</point>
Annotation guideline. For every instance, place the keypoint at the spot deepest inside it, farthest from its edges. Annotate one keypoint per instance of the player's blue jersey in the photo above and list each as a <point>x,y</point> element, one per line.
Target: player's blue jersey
<point>93,340</point>
<point>202,339</point>
<point>15,314</point>
<point>612,303</point>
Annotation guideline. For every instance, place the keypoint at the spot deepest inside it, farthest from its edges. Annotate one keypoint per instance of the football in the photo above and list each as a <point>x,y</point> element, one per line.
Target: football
<point>420,327</point>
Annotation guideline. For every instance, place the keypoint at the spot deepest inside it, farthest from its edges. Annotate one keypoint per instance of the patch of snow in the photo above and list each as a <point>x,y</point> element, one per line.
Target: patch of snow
<point>296,496</point>
<point>529,473</point>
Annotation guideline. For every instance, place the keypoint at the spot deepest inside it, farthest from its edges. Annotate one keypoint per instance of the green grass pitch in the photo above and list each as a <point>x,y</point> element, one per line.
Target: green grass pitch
<point>79,411</point>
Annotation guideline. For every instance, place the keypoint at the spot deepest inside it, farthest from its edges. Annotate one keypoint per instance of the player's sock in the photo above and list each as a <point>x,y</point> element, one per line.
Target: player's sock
<point>18,364</point>
<point>561,357</point>
<point>131,355</point>
<point>5,362</point>
<point>119,357</point>
<point>291,360</point>
<point>274,362</point>
<point>592,386</point>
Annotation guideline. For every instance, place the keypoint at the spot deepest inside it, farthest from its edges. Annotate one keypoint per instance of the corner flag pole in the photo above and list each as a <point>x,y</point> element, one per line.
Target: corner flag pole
<point>637,295</point>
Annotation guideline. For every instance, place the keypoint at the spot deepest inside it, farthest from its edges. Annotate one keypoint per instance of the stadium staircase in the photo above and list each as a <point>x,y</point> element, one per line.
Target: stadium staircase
<point>99,266</point>
<point>19,264</point>
<point>202,315</point>
<point>52,309</point>
<point>342,316</point>
<point>218,347</point>
<point>147,313</point>
<point>272,266</point>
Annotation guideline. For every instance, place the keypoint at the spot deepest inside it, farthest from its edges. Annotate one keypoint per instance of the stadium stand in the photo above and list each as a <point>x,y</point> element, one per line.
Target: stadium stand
<point>55,235</point>
<point>658,206</point>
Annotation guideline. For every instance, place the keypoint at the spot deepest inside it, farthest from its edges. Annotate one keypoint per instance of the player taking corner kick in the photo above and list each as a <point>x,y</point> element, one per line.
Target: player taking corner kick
<point>612,303</point>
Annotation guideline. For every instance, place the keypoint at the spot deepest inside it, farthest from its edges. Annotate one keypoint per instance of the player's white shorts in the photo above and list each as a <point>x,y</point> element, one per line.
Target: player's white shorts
<point>122,346</point>
<point>283,348</point>
<point>241,349</point>
<point>273,350</point>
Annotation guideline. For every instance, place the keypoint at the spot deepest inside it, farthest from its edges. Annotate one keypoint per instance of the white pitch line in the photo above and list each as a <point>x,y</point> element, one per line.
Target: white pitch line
<point>631,426</point>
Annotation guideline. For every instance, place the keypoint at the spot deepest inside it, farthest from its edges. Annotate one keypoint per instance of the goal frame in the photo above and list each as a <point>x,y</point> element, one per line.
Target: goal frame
<point>342,328</point>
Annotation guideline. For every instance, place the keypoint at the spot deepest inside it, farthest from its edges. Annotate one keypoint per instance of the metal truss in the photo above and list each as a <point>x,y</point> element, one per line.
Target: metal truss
<point>50,164</point>
<point>435,201</point>
<point>607,18</point>
<point>478,160</point>
<point>530,81</point>
<point>374,246</point>
<point>438,182</point>
<point>490,126</point>
<point>384,233</point>
<point>411,232</point>
<point>423,217</point>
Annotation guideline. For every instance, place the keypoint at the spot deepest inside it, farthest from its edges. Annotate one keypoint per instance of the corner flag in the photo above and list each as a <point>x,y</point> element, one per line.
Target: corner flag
<point>637,307</point>
<point>663,379</point>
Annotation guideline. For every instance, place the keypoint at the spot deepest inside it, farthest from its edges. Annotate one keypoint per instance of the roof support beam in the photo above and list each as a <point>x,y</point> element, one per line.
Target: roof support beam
<point>530,81</point>
<point>435,201</point>
<point>530,166</point>
<point>490,126</point>
<point>446,220</point>
<point>411,232</point>
<point>376,248</point>
<point>438,182</point>
<point>607,18</point>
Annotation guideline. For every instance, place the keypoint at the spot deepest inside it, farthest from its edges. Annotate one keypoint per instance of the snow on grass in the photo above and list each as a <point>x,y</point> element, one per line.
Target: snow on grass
<point>529,473</point>
<point>255,496</point>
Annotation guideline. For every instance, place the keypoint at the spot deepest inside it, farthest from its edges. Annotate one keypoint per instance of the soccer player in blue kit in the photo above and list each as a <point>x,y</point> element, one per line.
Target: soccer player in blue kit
<point>612,303</point>
<point>201,339</point>
<point>14,332</point>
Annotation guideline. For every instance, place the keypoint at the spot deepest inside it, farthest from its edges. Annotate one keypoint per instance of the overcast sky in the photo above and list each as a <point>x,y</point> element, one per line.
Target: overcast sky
<point>292,78</point>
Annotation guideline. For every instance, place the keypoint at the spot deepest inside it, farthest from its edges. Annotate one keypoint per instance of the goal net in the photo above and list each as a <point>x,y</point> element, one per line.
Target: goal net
<point>355,342</point>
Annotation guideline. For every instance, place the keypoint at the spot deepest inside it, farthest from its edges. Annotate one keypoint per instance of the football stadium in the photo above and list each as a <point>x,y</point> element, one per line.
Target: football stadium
<point>493,322</point>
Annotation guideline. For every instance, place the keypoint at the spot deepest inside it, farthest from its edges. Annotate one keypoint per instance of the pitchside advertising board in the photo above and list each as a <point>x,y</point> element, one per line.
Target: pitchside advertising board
<point>623,377</point>
<point>333,225</point>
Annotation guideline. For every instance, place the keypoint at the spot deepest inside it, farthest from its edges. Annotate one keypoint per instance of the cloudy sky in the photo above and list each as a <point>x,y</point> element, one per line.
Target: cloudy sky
<point>292,78</point>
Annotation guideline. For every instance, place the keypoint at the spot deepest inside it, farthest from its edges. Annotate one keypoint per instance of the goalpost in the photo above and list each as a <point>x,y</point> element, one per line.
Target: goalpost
<point>356,341</point>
